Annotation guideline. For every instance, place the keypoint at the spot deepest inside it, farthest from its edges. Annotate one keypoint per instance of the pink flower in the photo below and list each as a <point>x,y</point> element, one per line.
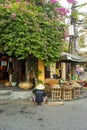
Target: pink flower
<point>6,6</point>
<point>53,1</point>
<point>22,9</point>
<point>17,1</point>
<point>71,1</point>
<point>63,11</point>
<point>13,15</point>
<point>27,3</point>
<point>66,33</point>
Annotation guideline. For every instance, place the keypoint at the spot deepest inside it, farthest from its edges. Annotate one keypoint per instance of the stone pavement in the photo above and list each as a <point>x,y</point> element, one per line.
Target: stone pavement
<point>83,93</point>
<point>23,115</point>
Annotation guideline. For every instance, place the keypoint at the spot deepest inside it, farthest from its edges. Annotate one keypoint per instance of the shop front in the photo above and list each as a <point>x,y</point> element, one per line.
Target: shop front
<point>71,61</point>
<point>3,67</point>
<point>9,67</point>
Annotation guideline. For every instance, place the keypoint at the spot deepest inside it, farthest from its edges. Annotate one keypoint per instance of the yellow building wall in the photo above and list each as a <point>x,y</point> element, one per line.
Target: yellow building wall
<point>41,76</point>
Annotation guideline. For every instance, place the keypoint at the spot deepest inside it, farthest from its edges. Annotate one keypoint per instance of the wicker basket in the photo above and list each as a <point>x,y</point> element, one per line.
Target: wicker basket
<point>51,81</point>
<point>25,85</point>
<point>8,84</point>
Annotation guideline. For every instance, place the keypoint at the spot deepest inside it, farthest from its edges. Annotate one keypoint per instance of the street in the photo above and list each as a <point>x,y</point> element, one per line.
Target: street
<point>23,115</point>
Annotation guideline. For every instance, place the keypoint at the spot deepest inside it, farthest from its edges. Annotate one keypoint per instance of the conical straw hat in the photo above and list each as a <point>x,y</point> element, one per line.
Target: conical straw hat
<point>40,86</point>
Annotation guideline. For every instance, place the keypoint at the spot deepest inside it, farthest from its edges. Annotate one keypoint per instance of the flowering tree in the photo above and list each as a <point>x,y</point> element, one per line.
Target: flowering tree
<point>27,29</point>
<point>71,1</point>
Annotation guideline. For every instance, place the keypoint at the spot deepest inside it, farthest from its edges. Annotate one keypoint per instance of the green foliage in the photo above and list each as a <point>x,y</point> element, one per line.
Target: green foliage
<point>83,32</point>
<point>75,14</point>
<point>82,5</point>
<point>81,41</point>
<point>26,30</point>
<point>49,9</point>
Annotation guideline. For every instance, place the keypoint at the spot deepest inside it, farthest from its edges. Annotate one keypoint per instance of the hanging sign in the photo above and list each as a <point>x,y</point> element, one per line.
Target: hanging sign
<point>71,30</point>
<point>3,63</point>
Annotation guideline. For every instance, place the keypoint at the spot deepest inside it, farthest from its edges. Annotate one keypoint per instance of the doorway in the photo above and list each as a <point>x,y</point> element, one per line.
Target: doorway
<point>3,67</point>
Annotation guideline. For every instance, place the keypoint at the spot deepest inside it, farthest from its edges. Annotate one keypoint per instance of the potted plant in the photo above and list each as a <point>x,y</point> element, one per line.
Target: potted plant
<point>14,79</point>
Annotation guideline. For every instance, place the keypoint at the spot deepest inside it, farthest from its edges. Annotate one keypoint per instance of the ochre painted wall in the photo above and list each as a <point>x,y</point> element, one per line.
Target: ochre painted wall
<point>41,76</point>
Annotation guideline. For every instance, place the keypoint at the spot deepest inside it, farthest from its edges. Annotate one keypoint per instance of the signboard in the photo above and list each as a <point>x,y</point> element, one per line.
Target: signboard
<point>71,30</point>
<point>3,63</point>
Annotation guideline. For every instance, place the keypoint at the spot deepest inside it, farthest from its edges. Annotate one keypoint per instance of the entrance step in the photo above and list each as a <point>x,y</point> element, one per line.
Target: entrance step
<point>5,94</point>
<point>9,94</point>
<point>21,94</point>
<point>14,92</point>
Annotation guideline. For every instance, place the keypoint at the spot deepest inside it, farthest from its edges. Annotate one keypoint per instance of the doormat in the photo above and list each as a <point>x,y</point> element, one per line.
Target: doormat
<point>55,103</point>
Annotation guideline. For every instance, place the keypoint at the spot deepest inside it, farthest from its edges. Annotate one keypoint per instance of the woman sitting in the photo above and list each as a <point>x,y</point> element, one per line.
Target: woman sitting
<point>40,96</point>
